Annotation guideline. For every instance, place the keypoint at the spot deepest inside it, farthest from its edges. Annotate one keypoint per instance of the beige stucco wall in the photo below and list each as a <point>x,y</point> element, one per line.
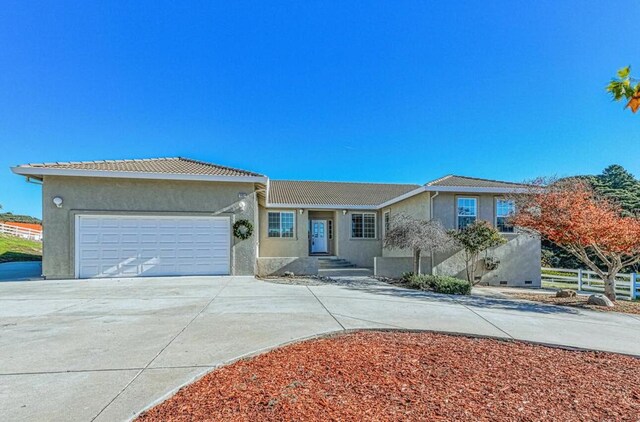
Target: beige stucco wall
<point>358,251</point>
<point>444,207</point>
<point>416,206</point>
<point>118,196</point>
<point>298,246</point>
<point>519,257</point>
<point>519,263</point>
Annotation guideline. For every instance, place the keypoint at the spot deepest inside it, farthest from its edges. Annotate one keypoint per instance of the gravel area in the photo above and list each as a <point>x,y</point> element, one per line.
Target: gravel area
<point>624,306</point>
<point>413,376</point>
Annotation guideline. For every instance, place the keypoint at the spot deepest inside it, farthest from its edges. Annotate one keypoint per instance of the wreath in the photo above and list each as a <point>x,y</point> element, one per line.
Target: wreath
<point>242,229</point>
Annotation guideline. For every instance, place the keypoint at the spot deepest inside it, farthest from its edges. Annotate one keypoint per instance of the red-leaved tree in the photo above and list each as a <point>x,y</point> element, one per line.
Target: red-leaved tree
<point>571,215</point>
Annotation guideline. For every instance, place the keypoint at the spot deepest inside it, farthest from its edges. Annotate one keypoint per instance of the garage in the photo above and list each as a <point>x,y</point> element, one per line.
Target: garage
<point>145,246</point>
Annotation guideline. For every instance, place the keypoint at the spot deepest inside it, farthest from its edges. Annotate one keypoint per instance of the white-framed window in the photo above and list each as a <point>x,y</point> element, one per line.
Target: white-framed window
<point>280,224</point>
<point>387,221</point>
<point>467,211</point>
<point>504,209</point>
<point>363,225</point>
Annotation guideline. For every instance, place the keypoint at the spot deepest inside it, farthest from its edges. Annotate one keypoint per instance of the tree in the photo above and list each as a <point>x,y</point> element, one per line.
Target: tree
<point>622,87</point>
<point>475,239</point>
<point>620,186</point>
<point>419,236</point>
<point>614,183</point>
<point>592,228</point>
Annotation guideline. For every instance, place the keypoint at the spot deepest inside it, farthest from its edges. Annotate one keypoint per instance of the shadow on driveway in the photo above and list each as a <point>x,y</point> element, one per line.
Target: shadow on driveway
<point>380,288</point>
<point>20,271</point>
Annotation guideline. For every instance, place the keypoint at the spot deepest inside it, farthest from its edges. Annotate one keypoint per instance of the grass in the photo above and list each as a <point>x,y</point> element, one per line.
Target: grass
<point>559,285</point>
<point>14,249</point>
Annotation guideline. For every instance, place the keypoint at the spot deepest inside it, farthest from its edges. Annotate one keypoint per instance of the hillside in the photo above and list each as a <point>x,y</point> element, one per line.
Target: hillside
<point>7,216</point>
<point>17,249</point>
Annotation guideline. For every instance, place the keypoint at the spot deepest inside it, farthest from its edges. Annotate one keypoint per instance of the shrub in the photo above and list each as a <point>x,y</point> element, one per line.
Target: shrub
<point>450,285</point>
<point>438,283</point>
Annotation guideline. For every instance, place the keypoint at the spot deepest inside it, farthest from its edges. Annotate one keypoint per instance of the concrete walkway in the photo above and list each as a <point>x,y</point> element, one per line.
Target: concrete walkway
<point>106,349</point>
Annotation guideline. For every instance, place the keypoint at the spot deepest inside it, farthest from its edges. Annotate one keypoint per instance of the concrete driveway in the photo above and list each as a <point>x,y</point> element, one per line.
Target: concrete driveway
<point>106,349</point>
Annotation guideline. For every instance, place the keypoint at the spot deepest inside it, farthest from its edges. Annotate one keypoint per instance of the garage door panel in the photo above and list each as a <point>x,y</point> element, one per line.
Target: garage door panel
<point>152,246</point>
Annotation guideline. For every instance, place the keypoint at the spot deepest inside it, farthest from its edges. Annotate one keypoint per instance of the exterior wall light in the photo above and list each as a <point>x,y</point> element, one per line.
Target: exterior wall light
<point>344,212</point>
<point>57,201</point>
<point>301,211</point>
<point>242,205</point>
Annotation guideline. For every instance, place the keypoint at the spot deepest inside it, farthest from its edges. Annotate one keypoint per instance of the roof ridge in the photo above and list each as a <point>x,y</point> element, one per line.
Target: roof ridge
<point>218,165</point>
<point>125,160</point>
<point>439,180</point>
<point>487,180</point>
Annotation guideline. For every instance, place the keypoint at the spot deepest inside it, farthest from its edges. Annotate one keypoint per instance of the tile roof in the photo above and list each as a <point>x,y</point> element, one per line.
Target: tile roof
<point>175,165</point>
<point>334,193</point>
<point>471,182</point>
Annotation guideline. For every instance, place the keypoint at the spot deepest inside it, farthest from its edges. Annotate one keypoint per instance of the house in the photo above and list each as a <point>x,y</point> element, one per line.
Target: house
<point>177,216</point>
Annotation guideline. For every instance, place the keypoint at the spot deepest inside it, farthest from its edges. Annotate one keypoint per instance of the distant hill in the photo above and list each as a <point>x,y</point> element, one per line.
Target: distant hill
<point>7,216</point>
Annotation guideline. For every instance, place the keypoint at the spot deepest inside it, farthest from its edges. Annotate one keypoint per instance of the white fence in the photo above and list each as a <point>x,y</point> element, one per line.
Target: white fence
<point>21,232</point>
<point>626,284</point>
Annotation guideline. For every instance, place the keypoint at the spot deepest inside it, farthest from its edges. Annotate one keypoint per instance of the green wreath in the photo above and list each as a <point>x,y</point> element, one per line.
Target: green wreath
<point>242,229</point>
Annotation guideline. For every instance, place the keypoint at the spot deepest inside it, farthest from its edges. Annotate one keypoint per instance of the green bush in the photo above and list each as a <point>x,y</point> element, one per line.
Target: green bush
<point>450,285</point>
<point>438,283</point>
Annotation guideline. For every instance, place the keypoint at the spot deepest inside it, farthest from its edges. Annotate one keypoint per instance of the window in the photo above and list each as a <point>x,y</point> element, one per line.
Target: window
<point>386,222</point>
<point>280,224</point>
<point>330,228</point>
<point>467,212</point>
<point>363,226</point>
<point>504,209</point>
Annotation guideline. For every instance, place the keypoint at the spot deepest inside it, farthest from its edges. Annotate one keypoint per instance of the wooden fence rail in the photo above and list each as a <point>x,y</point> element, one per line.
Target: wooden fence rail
<point>626,284</point>
<point>21,232</point>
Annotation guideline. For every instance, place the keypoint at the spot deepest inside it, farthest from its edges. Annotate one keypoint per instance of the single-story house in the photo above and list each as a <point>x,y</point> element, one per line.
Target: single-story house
<point>177,216</point>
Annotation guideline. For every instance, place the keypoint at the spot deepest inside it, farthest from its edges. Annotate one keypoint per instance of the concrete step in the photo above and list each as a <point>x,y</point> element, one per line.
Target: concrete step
<point>333,262</point>
<point>337,264</point>
<point>345,272</point>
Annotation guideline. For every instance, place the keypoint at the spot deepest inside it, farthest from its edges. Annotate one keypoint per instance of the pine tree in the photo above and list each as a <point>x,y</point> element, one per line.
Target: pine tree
<point>619,185</point>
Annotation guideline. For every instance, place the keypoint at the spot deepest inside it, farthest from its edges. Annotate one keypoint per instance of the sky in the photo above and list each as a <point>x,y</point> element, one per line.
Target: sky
<point>395,91</point>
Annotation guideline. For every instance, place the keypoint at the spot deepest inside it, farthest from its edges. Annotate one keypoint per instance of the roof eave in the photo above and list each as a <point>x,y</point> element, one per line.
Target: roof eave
<point>43,171</point>
<point>471,189</point>
<point>322,206</point>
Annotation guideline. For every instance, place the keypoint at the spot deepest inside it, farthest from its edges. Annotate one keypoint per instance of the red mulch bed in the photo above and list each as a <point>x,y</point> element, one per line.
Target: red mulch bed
<point>413,376</point>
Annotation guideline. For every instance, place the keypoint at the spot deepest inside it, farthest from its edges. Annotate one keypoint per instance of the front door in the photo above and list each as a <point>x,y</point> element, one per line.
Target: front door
<point>318,236</point>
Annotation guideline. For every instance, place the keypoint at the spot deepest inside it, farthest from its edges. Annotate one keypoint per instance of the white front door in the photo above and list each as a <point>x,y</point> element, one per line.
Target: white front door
<point>136,245</point>
<point>318,236</point>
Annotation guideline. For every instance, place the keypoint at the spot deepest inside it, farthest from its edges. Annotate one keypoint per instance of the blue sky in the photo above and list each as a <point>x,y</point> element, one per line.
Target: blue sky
<point>364,91</point>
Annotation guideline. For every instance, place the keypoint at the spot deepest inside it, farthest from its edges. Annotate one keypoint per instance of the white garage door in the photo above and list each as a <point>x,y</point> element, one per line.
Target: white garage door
<point>134,246</point>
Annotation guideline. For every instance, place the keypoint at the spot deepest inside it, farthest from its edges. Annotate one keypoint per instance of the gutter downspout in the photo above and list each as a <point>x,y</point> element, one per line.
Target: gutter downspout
<point>431,218</point>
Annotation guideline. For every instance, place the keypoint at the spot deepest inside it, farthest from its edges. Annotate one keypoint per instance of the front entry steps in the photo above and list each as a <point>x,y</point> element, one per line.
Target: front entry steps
<point>332,266</point>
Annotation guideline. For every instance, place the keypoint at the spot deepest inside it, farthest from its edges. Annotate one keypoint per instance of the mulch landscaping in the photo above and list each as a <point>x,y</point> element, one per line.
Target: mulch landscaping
<point>624,306</point>
<point>412,376</point>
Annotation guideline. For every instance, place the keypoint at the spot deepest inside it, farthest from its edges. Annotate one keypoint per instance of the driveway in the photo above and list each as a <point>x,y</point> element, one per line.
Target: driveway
<point>106,349</point>
<point>12,271</point>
